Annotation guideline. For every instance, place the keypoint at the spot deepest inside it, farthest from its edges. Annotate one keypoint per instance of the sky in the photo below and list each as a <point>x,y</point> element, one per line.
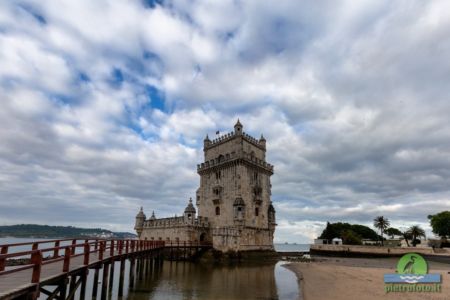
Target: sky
<point>105,104</point>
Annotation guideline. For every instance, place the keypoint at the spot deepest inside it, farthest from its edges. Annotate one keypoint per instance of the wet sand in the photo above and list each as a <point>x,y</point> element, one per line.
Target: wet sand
<point>358,278</point>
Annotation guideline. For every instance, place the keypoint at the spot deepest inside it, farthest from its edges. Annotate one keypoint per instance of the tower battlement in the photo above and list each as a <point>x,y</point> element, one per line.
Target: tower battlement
<point>261,143</point>
<point>176,221</point>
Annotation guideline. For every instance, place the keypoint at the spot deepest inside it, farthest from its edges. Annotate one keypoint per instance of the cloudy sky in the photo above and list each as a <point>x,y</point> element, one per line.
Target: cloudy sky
<point>104,106</point>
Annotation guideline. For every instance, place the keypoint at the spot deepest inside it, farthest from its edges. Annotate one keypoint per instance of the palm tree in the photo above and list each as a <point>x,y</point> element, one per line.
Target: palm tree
<point>415,232</point>
<point>382,224</point>
<point>406,236</point>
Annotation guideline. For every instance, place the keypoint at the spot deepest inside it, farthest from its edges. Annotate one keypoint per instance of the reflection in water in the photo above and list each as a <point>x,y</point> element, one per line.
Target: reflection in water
<point>184,280</point>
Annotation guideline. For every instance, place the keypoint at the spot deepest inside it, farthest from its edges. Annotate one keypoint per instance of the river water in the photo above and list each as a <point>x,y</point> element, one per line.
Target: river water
<point>199,281</point>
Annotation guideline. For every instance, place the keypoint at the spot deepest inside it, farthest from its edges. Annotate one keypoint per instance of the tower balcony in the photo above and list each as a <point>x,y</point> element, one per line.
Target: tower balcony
<point>257,200</point>
<point>234,158</point>
<point>217,201</point>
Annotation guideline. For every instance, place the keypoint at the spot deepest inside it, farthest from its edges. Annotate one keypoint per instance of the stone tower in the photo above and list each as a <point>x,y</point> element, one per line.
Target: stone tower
<point>235,192</point>
<point>140,219</point>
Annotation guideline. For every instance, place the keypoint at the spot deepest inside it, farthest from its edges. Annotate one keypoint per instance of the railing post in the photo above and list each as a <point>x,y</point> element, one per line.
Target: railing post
<point>56,250</point>
<point>100,253</point>
<point>86,254</point>
<point>3,260</point>
<point>127,244</point>
<point>36,261</point>
<point>111,250</point>
<point>66,263</point>
<point>96,245</point>
<point>120,246</point>
<point>73,247</point>
<point>35,246</point>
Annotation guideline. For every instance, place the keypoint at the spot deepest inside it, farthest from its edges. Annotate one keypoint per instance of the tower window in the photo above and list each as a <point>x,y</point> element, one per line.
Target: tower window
<point>218,175</point>
<point>255,176</point>
<point>217,211</point>
<point>217,191</point>
<point>256,211</point>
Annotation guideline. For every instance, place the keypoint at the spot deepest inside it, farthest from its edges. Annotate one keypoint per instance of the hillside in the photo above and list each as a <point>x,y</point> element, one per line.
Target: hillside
<point>46,231</point>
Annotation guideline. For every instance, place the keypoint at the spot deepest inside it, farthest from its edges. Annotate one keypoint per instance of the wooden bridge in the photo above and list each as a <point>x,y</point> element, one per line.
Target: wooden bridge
<point>60,272</point>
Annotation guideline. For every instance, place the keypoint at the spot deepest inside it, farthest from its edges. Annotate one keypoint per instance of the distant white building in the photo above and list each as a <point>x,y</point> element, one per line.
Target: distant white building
<point>336,241</point>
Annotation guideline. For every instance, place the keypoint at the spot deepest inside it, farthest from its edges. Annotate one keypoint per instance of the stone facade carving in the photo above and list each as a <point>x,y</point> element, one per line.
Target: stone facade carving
<point>235,211</point>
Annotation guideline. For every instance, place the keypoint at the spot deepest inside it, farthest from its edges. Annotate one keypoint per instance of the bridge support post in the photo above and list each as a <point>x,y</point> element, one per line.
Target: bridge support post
<point>111,276</point>
<point>140,267</point>
<point>147,264</point>
<point>63,288</point>
<point>95,284</point>
<point>104,282</point>
<point>83,284</point>
<point>132,266</point>
<point>121,276</point>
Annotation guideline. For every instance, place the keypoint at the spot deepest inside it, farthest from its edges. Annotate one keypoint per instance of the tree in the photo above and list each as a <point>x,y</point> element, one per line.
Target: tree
<point>407,236</point>
<point>329,232</point>
<point>382,224</point>
<point>333,230</point>
<point>351,238</point>
<point>416,231</point>
<point>440,223</point>
<point>391,231</point>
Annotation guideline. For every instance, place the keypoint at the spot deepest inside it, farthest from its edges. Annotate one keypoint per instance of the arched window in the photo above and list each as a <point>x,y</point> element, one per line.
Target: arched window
<point>217,211</point>
<point>256,211</point>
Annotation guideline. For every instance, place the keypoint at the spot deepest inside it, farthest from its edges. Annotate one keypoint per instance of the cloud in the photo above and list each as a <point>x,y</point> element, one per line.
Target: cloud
<point>105,105</point>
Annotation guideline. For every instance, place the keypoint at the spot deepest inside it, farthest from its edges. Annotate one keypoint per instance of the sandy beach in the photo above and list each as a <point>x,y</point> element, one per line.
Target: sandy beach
<point>358,278</point>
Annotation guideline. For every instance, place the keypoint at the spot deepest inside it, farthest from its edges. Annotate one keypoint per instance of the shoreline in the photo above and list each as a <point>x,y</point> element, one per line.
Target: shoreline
<point>290,266</point>
<point>342,278</point>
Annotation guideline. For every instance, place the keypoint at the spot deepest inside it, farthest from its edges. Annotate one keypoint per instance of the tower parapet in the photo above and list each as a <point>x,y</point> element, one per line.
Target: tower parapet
<point>207,144</point>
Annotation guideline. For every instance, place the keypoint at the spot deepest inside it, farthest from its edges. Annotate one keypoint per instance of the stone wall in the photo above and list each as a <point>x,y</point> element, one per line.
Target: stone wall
<point>371,250</point>
<point>177,229</point>
<point>242,239</point>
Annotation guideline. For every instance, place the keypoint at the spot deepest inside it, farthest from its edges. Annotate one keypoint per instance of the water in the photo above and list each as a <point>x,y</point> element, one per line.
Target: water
<point>201,281</point>
<point>292,247</point>
<point>186,280</point>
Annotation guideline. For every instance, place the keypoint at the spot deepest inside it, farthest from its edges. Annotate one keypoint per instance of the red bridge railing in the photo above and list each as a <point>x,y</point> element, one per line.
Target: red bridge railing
<point>104,249</point>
